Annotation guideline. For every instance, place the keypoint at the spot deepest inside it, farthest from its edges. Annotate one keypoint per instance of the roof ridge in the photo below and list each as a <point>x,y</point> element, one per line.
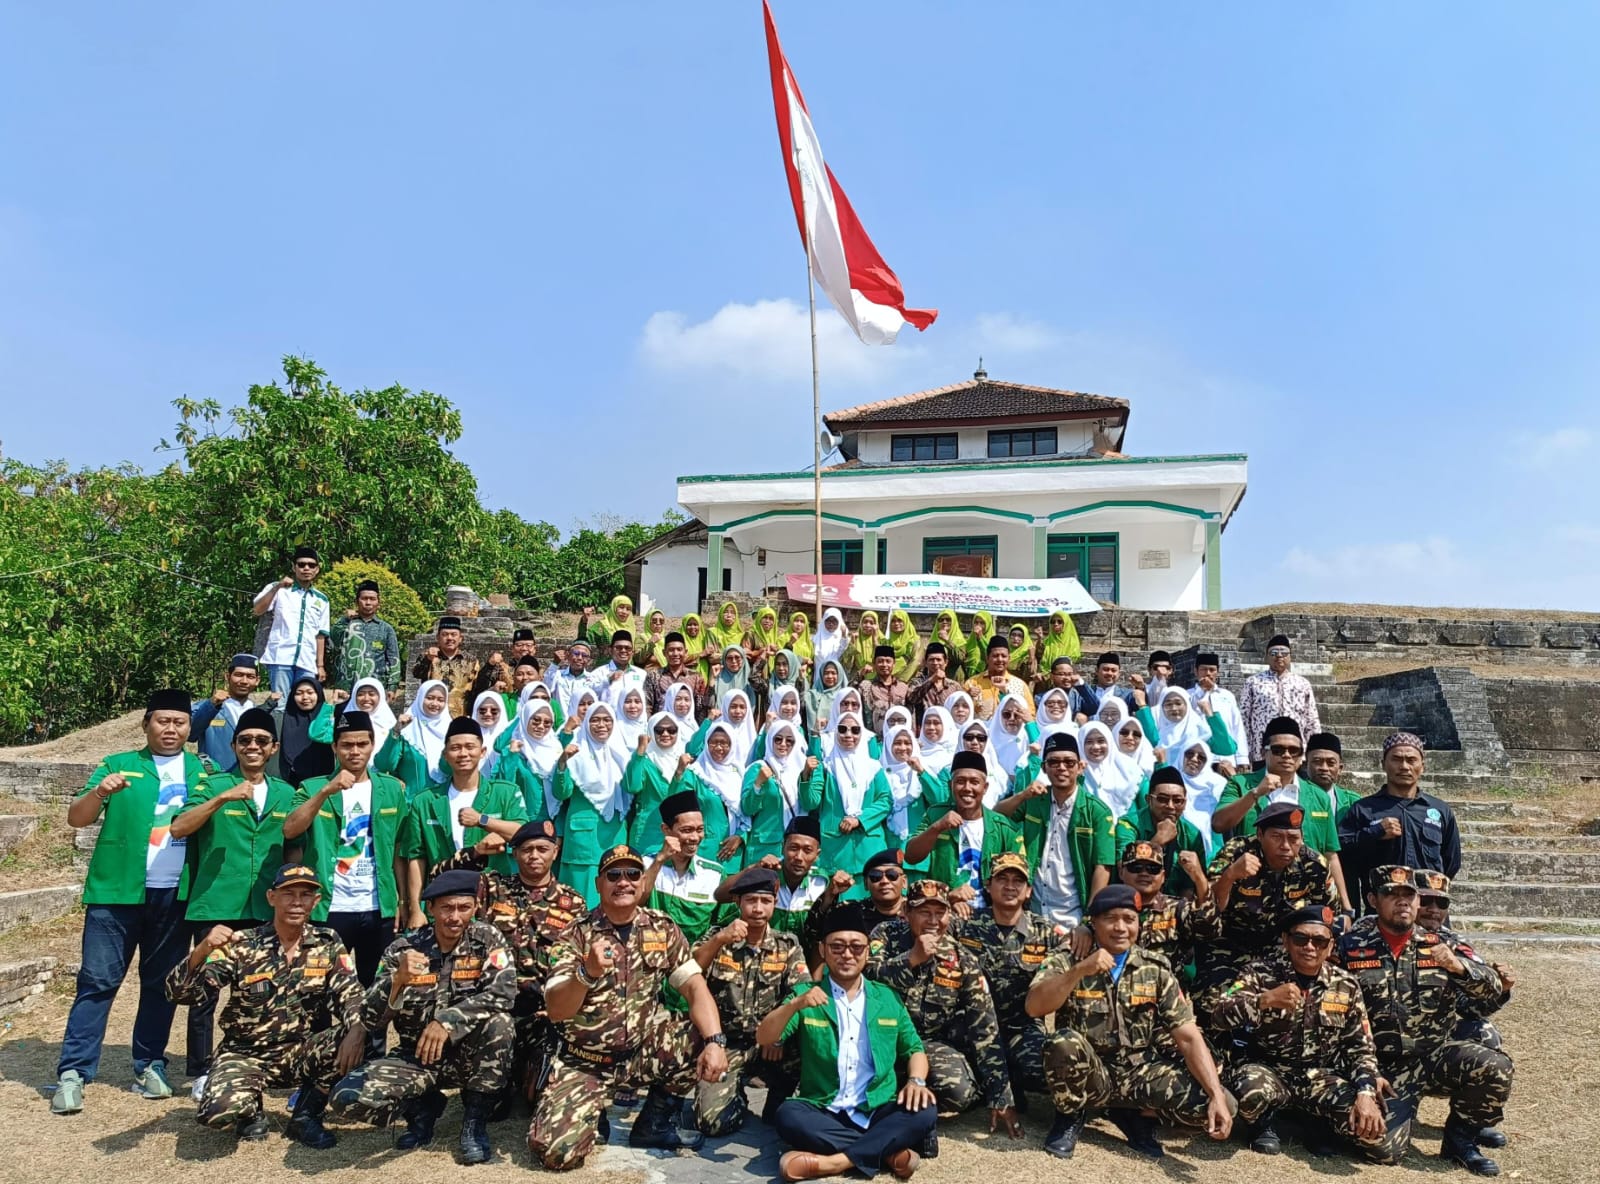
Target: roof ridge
<point>968,384</point>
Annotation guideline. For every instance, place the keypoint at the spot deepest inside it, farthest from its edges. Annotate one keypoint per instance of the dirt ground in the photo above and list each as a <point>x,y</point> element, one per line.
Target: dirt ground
<point>1552,1121</point>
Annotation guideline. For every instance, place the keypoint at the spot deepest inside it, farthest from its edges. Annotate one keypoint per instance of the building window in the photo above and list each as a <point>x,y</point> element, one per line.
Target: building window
<point>843,557</point>
<point>973,555</point>
<point>701,590</point>
<point>1091,559</point>
<point>924,446</point>
<point>1030,442</point>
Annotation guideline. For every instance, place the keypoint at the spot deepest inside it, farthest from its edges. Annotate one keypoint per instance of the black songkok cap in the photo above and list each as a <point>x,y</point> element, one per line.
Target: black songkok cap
<point>755,879</point>
<point>528,660</point>
<point>1325,742</point>
<point>1279,639</point>
<point>242,662</point>
<point>453,883</point>
<point>1109,658</point>
<point>882,651</point>
<point>968,760</point>
<point>351,719</point>
<point>366,586</point>
<point>1159,656</point>
<point>449,623</point>
<point>846,918</point>
<point>522,635</point>
<point>1058,742</point>
<point>683,802</point>
<point>999,642</point>
<point>805,824</point>
<point>674,636</point>
<point>1114,896</point>
<point>1282,726</point>
<point>464,725</point>
<point>254,719</point>
<point>1166,775</point>
<point>621,635</point>
<point>936,647</point>
<point>1207,660</point>
<point>305,552</point>
<point>171,699</point>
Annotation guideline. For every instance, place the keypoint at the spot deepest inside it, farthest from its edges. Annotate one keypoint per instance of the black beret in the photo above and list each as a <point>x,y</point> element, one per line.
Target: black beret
<point>622,635</point>
<point>882,651</point>
<point>1114,896</point>
<point>999,642</point>
<point>366,586</point>
<point>1166,775</point>
<point>1283,815</point>
<point>529,831</point>
<point>1109,658</point>
<point>685,801</point>
<point>1311,914</point>
<point>449,622</point>
<point>1324,742</point>
<point>1159,656</point>
<point>755,879</point>
<point>306,552</point>
<point>882,858</point>
<point>808,825</point>
<point>522,635</point>
<point>256,719</point>
<point>847,918</point>
<point>1060,742</point>
<point>352,719</point>
<point>171,699</point>
<point>460,882</point>
<point>1282,726</point>
<point>968,760</point>
<point>1207,659</point>
<point>464,725</point>
<point>935,647</point>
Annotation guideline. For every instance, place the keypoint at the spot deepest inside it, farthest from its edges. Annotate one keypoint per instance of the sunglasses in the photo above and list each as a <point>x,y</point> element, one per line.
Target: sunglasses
<point>666,731</point>
<point>849,731</point>
<point>252,741</point>
<point>853,948</point>
<point>1142,868</point>
<point>1277,651</point>
<point>1060,762</point>
<point>616,875</point>
<point>879,873</point>
<point>1315,940</point>
<point>1285,749</point>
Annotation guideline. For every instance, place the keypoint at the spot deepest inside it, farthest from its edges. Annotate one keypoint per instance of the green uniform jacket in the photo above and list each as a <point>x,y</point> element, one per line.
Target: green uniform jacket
<point>529,784</point>
<point>584,834</point>
<point>1136,824</point>
<point>1319,828</point>
<point>848,852</point>
<point>889,1030</point>
<point>1094,834</point>
<point>649,789</point>
<point>321,839</point>
<point>116,869</point>
<point>400,759</point>
<point>426,833</point>
<point>944,861</point>
<point>234,855</point>
<point>715,812</point>
<point>762,804</point>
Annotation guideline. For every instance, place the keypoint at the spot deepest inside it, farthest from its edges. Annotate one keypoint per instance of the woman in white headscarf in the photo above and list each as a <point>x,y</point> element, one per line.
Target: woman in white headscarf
<point>1133,744</point>
<point>786,705</point>
<point>849,702</point>
<point>678,702</point>
<point>977,737</point>
<point>829,642</point>
<point>414,751</point>
<point>852,796</point>
<point>1179,722</point>
<point>961,710</point>
<point>1205,786</point>
<point>896,715</point>
<point>368,695</point>
<point>717,778</point>
<point>937,740</point>
<point>1107,773</point>
<point>591,782</point>
<point>1055,715</point>
<point>657,759</point>
<point>489,712</point>
<point>1015,740</point>
<point>908,781</point>
<point>771,797</point>
<point>531,759</point>
<point>633,721</point>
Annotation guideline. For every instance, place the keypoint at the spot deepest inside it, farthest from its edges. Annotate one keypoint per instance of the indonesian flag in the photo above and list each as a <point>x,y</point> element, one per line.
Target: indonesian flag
<point>843,260</point>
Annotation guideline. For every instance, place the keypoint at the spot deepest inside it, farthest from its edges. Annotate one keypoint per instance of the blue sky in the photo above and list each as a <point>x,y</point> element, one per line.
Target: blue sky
<point>1357,242</point>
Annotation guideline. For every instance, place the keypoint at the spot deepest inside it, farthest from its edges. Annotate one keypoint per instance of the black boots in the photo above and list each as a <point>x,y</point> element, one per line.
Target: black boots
<point>305,1123</point>
<point>252,1128</point>
<point>1491,1136</point>
<point>421,1116</point>
<point>1263,1135</point>
<point>1139,1131</point>
<point>1062,1140</point>
<point>657,1125</point>
<point>476,1108</point>
<point>1461,1145</point>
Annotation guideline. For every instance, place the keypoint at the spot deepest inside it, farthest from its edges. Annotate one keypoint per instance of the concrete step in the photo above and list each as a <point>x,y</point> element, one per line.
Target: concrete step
<point>1439,760</point>
<point>1522,827</point>
<point>23,982</point>
<point>1336,692</point>
<point>1525,865</point>
<point>34,906</point>
<point>1501,839</point>
<point>1312,672</point>
<point>1337,717</point>
<point>1494,930</point>
<point>44,781</point>
<point>1550,900</point>
<point>16,829</point>
<point>1448,783</point>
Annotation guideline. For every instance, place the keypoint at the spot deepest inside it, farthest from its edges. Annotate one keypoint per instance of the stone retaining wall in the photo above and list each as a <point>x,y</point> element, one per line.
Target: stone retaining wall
<point>1546,715</point>
<point>1510,640</point>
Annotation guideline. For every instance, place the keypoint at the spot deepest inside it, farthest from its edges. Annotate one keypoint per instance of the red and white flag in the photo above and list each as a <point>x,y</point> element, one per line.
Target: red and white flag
<point>843,260</point>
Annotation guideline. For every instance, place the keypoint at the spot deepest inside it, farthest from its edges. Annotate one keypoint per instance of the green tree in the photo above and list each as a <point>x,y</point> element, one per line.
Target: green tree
<point>397,603</point>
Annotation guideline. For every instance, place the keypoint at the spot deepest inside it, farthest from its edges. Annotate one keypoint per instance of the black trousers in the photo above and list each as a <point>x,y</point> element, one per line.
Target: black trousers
<point>890,1128</point>
<point>366,936</point>
<point>200,1030</point>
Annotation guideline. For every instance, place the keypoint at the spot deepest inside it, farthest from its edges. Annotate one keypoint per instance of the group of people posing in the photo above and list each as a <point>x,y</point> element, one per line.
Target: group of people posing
<point>884,900</point>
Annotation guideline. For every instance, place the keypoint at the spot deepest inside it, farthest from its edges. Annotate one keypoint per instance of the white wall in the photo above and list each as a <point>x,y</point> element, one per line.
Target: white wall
<point>670,578</point>
<point>1181,586</point>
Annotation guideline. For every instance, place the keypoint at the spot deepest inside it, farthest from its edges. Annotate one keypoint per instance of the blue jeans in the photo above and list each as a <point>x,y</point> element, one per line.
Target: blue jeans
<point>111,933</point>
<point>281,679</point>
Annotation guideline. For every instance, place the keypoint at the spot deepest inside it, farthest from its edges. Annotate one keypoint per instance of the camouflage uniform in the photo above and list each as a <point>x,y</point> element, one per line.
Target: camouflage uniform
<point>470,991</point>
<point>1177,928</point>
<point>1253,919</point>
<point>530,919</point>
<point>1414,1006</point>
<point>622,1036</point>
<point>1010,958</point>
<point>1113,1042</point>
<point>948,1000</point>
<point>1317,1058</point>
<point>283,1021</point>
<point>748,982</point>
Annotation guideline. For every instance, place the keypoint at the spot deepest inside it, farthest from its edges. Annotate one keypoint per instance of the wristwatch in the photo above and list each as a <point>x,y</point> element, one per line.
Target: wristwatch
<point>483,820</point>
<point>717,1038</point>
<point>922,1081</point>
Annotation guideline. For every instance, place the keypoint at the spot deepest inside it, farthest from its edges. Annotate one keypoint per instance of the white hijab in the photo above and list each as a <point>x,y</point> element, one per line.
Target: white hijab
<point>427,734</point>
<point>895,715</point>
<point>936,755</point>
<point>743,734</point>
<point>1204,792</point>
<point>782,695</point>
<point>1177,736</point>
<point>1115,780</point>
<point>1112,712</point>
<point>999,779</point>
<point>541,754</point>
<point>1010,747</point>
<point>631,729</point>
<point>786,770</point>
<point>664,759</point>
<point>826,646</point>
<point>852,771</point>
<point>1049,727</point>
<point>905,786</point>
<point>724,778</point>
<point>836,711</point>
<point>1145,755</point>
<point>972,710</point>
<point>598,767</point>
<point>382,718</point>
<point>687,724</point>
<point>490,758</point>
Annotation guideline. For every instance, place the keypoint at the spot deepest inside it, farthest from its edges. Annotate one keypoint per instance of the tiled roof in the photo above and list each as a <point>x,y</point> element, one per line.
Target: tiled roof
<point>977,398</point>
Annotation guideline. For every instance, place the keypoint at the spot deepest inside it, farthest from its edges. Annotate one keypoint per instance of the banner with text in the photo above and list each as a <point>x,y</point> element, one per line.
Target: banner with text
<point>929,594</point>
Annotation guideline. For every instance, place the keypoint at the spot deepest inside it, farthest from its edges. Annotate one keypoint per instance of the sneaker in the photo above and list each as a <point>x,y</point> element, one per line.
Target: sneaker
<point>153,1083</point>
<point>68,1097</point>
<point>197,1087</point>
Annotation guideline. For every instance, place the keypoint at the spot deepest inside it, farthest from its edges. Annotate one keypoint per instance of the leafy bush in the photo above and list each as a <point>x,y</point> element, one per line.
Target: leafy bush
<point>397,603</point>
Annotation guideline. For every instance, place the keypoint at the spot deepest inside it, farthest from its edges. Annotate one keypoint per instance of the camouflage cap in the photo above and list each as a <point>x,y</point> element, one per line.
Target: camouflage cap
<point>1143,851</point>
<point>1392,877</point>
<point>1431,883</point>
<point>296,873</point>
<point>928,892</point>
<point>620,854</point>
<point>1008,861</point>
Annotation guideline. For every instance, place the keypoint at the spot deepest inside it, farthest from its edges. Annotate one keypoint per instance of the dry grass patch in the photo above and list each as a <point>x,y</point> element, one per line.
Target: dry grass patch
<point>44,857</point>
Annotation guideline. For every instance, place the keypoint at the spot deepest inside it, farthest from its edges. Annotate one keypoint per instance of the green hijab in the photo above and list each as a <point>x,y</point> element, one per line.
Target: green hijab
<point>696,645</point>
<point>725,635</point>
<point>764,632</point>
<point>956,647</point>
<point>792,679</point>
<point>978,642</point>
<point>1062,644</point>
<point>906,644</point>
<point>858,654</point>
<point>799,639</point>
<point>1019,651</point>
<point>609,623</point>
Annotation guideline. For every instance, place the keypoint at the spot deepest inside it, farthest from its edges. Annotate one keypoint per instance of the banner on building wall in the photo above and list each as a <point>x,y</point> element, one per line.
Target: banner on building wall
<point>930,593</point>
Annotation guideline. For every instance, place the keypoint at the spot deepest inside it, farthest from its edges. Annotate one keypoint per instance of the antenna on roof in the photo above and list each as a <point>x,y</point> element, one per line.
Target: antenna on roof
<point>980,373</point>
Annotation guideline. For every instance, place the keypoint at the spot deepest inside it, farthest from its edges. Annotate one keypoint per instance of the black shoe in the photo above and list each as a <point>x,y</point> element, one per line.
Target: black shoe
<point>252,1128</point>
<point>930,1145</point>
<point>1263,1135</point>
<point>657,1125</point>
<point>305,1123</point>
<point>1138,1130</point>
<point>1460,1146</point>
<point>500,1110</point>
<point>475,1126</point>
<point>1062,1140</point>
<point>421,1116</point>
<point>1320,1139</point>
<point>603,1129</point>
<point>1491,1136</point>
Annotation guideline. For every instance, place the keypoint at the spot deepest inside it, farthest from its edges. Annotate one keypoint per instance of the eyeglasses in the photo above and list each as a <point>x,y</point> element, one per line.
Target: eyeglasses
<point>883,873</point>
<point>1141,868</point>
<point>1285,749</point>
<point>849,731</point>
<point>615,875</point>
<point>252,741</point>
<point>1315,940</point>
<point>1433,900</point>
<point>853,949</point>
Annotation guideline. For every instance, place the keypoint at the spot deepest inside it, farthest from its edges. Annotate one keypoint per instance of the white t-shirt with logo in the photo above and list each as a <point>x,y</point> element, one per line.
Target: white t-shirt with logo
<point>970,850</point>
<point>163,860</point>
<point>458,799</point>
<point>355,872</point>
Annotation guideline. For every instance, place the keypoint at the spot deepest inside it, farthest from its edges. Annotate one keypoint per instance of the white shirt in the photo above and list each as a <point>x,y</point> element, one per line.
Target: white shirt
<point>615,692</point>
<point>459,798</point>
<point>299,616</point>
<point>970,855</point>
<point>1056,890</point>
<point>163,859</point>
<point>355,874</point>
<point>1226,708</point>
<point>258,794</point>
<point>855,1053</point>
<point>807,894</point>
<point>697,883</point>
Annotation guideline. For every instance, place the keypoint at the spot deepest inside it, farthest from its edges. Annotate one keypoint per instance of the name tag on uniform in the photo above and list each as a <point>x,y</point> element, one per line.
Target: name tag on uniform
<point>886,1023</point>
<point>728,961</point>
<point>774,966</point>
<point>943,980</point>
<point>423,980</point>
<point>466,975</point>
<point>389,810</point>
<point>1139,1000</point>
<point>315,972</point>
<point>234,812</point>
<point>219,722</point>
<point>1363,964</point>
<point>254,978</point>
<point>1082,994</point>
<point>279,814</point>
<point>813,1022</point>
<point>655,941</point>
<point>325,814</point>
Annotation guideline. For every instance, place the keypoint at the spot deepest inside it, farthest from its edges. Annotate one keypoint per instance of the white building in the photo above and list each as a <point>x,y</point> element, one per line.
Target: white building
<point>977,478</point>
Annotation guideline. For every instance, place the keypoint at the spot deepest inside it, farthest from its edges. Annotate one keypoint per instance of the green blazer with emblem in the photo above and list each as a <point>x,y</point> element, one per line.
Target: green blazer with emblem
<point>1094,834</point>
<point>234,856</point>
<point>889,1030</point>
<point>321,841</point>
<point>427,834</point>
<point>117,867</point>
<point>1319,827</point>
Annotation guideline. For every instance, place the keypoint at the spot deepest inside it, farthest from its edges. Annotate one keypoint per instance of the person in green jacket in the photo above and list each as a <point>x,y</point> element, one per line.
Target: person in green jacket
<point>852,795</point>
<point>348,827</point>
<point>529,758</point>
<point>959,842</point>
<point>911,787</point>
<point>771,790</point>
<point>654,769</point>
<point>864,1121</point>
<point>1324,766</point>
<point>414,750</point>
<point>591,785</point>
<point>681,882</point>
<point>444,819</point>
<point>716,778</point>
<point>1159,819</point>
<point>134,898</point>
<point>233,825</point>
<point>1070,834</point>
<point>1181,723</point>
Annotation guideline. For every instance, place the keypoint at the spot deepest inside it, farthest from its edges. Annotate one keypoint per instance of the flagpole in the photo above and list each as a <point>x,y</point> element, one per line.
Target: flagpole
<point>816,433</point>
